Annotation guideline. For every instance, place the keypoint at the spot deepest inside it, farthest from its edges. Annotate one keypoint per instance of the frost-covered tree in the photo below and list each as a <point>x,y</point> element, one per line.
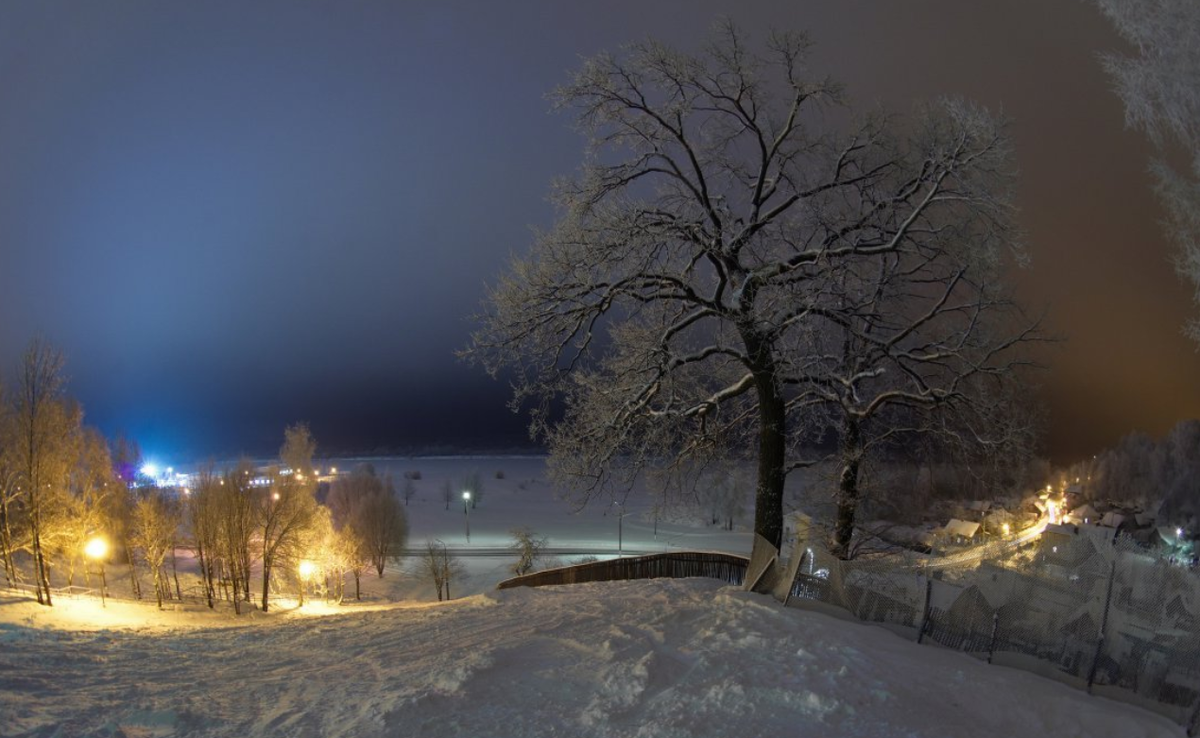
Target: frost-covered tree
<point>42,425</point>
<point>155,529</point>
<point>1160,86</point>
<point>366,508</point>
<point>286,507</point>
<point>202,516</point>
<point>529,547</point>
<point>676,305</point>
<point>238,523</point>
<point>439,567</point>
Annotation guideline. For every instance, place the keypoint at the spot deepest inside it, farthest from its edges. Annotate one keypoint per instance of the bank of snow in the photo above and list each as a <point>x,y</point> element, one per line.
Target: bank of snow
<point>654,658</point>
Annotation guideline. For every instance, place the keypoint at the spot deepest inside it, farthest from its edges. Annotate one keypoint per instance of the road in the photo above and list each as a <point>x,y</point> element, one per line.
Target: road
<point>989,550</point>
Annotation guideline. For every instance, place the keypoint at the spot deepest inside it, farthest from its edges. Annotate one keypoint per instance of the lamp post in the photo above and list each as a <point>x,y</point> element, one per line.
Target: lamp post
<point>467,513</point>
<point>306,569</point>
<point>620,523</point>
<point>97,550</point>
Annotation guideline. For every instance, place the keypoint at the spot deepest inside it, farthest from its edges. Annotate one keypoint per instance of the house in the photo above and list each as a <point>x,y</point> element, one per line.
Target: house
<point>961,531</point>
<point>1084,515</point>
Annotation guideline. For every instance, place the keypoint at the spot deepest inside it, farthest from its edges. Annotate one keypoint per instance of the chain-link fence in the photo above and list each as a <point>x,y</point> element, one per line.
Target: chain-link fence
<point>1075,604</point>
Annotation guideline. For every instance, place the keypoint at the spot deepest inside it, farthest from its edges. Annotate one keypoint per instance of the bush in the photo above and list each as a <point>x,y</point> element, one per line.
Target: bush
<point>412,474</point>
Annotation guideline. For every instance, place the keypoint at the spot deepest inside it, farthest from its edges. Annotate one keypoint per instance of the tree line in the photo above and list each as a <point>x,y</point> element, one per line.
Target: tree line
<point>251,531</point>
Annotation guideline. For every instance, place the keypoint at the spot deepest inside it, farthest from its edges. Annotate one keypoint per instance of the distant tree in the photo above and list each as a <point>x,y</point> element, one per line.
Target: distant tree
<point>286,508</point>
<point>155,527</point>
<point>722,234</point>
<point>126,459</point>
<point>238,526</point>
<point>202,514</point>
<point>365,508</point>
<point>447,493</point>
<point>383,527</point>
<point>1160,86</point>
<point>529,547</point>
<point>440,568</point>
<point>408,491</point>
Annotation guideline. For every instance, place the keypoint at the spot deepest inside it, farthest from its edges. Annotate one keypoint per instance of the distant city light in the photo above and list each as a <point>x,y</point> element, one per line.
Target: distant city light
<point>149,470</point>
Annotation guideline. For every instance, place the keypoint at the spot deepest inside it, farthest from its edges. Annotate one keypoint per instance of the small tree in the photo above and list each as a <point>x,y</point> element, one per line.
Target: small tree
<point>440,568</point>
<point>408,491</point>
<point>286,508</point>
<point>529,548</point>
<point>447,493</point>
<point>155,527</point>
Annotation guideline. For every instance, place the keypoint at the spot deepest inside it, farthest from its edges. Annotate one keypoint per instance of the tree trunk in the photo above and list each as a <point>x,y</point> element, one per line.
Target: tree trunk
<point>772,440</point>
<point>266,593</point>
<point>10,572</point>
<point>135,585</point>
<point>175,574</point>
<point>357,586</point>
<point>847,503</point>
<point>39,560</point>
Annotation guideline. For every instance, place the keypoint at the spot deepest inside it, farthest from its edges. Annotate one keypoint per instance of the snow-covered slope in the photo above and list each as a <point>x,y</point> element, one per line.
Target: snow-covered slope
<point>653,658</point>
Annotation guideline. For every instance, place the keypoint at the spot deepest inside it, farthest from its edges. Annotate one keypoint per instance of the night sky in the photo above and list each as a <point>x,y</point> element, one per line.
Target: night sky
<point>232,216</point>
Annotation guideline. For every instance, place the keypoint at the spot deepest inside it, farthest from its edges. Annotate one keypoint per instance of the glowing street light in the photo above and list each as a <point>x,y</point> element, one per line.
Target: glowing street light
<point>620,523</point>
<point>1006,528</point>
<point>96,549</point>
<point>467,512</point>
<point>306,569</point>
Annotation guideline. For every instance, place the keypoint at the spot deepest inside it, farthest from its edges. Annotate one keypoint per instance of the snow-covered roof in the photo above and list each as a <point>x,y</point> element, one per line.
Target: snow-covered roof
<point>1085,513</point>
<point>962,528</point>
<point>1112,520</point>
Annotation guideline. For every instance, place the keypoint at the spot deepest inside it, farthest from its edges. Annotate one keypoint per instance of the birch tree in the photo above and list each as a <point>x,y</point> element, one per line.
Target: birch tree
<point>673,306</point>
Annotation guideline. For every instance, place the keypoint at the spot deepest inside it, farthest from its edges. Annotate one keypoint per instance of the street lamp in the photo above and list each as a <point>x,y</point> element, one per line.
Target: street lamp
<point>306,569</point>
<point>97,550</point>
<point>620,523</point>
<point>467,512</point>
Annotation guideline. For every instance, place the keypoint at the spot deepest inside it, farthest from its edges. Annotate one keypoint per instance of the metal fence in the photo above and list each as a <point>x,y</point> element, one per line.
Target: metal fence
<point>726,567</point>
<point>1099,613</point>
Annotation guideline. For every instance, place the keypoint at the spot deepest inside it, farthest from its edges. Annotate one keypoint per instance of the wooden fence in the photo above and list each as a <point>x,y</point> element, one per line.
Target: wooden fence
<point>674,564</point>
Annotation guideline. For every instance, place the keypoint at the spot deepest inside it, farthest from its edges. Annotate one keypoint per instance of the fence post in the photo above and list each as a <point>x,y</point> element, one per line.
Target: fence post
<point>1103,628</point>
<point>925,611</point>
<point>995,630</point>
<point>1193,726</point>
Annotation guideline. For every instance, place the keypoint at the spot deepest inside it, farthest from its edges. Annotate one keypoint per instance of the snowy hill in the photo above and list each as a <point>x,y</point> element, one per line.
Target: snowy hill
<point>651,658</point>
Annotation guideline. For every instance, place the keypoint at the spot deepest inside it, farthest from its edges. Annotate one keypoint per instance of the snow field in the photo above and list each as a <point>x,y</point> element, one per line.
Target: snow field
<point>651,658</point>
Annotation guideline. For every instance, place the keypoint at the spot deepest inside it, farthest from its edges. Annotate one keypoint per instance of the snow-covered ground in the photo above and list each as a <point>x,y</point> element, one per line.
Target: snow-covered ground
<point>651,658</point>
<point>659,658</point>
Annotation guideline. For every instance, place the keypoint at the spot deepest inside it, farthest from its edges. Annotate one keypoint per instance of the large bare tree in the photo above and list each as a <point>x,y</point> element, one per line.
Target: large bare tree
<point>676,304</point>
